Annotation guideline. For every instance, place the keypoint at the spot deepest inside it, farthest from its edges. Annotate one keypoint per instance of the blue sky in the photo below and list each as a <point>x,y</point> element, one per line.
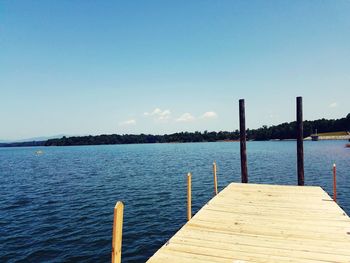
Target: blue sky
<point>92,67</point>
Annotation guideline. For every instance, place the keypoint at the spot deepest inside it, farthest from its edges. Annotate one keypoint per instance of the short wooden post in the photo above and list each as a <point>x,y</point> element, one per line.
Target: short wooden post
<point>334,182</point>
<point>117,232</point>
<point>300,138</point>
<point>215,179</point>
<point>242,131</point>
<point>189,196</point>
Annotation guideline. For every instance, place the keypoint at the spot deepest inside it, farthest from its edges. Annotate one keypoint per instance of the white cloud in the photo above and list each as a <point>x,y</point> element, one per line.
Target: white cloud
<point>333,105</point>
<point>158,114</point>
<point>156,111</point>
<point>186,117</point>
<point>127,122</point>
<point>209,115</point>
<point>164,115</point>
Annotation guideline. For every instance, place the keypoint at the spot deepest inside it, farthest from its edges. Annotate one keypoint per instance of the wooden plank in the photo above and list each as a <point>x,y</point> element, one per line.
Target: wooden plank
<point>263,241</point>
<point>261,218</point>
<point>229,255</point>
<point>263,223</point>
<point>261,250</point>
<point>271,230</point>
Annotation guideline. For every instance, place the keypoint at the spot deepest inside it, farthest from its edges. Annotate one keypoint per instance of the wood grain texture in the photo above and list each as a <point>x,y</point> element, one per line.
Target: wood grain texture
<point>189,196</point>
<point>263,223</point>
<point>117,232</point>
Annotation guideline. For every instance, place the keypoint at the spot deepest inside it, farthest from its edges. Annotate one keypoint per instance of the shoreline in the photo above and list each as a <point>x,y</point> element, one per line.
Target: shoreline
<point>15,145</point>
<point>334,138</point>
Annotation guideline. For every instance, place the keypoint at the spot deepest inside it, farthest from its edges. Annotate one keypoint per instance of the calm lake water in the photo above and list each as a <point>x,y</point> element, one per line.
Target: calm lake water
<point>58,206</point>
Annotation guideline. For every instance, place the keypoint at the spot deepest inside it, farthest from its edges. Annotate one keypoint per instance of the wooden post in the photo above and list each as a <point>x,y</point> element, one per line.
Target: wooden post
<point>242,131</point>
<point>189,196</point>
<point>334,182</point>
<point>300,138</point>
<point>215,179</point>
<point>117,232</point>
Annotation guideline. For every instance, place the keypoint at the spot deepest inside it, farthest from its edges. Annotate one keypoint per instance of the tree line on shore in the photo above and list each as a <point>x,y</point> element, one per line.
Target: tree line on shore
<point>276,132</point>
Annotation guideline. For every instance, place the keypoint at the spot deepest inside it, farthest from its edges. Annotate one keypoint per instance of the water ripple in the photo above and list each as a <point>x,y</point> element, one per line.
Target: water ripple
<point>58,207</point>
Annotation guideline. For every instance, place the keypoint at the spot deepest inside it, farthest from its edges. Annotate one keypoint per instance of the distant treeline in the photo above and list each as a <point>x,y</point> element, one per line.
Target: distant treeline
<point>288,130</point>
<point>145,138</point>
<point>282,132</point>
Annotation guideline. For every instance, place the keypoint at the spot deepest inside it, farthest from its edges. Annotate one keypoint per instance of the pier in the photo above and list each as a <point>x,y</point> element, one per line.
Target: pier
<point>258,223</point>
<point>263,223</point>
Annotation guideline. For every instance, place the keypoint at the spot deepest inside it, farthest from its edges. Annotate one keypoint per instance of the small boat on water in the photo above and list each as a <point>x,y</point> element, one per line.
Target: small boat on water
<point>314,137</point>
<point>39,152</point>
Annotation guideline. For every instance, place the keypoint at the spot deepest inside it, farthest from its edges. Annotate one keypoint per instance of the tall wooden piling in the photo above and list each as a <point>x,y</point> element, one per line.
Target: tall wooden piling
<point>189,196</point>
<point>300,138</point>
<point>117,233</point>
<point>215,179</point>
<point>242,131</point>
<point>334,182</point>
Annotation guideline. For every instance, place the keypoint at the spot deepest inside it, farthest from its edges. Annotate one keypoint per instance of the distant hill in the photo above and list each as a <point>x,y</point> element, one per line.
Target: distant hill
<point>282,131</point>
<point>23,144</point>
<point>35,141</point>
<point>42,138</point>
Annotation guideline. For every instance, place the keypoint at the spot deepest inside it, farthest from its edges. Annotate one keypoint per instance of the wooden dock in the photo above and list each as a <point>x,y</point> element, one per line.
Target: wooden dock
<point>263,223</point>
